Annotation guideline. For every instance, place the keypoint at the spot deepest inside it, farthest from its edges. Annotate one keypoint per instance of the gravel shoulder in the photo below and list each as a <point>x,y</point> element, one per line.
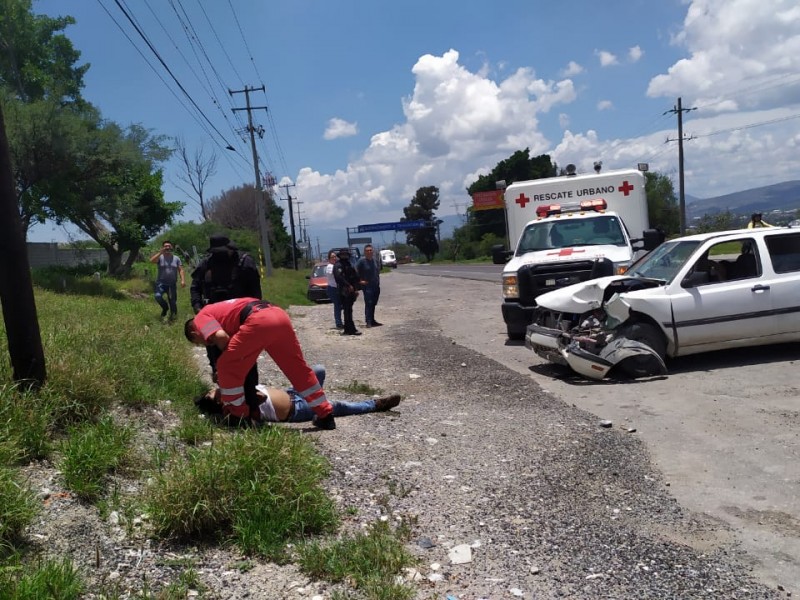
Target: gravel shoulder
<point>549,503</point>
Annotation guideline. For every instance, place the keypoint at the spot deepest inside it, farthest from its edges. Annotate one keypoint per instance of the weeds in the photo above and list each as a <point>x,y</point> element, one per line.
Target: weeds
<point>259,487</point>
<point>357,387</point>
<point>48,579</point>
<point>369,561</point>
<point>18,506</point>
<point>91,452</point>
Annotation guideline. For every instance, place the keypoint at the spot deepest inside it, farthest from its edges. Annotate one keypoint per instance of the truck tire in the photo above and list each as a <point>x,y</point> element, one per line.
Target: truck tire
<point>647,334</point>
<point>515,335</point>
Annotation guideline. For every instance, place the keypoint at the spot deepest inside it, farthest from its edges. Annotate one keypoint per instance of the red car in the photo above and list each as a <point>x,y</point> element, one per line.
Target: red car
<point>318,284</point>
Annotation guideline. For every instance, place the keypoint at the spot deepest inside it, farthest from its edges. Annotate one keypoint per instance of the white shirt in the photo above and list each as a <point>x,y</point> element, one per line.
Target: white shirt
<point>329,275</point>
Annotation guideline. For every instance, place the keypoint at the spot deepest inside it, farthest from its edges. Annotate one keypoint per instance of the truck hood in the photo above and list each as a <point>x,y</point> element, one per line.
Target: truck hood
<point>556,255</point>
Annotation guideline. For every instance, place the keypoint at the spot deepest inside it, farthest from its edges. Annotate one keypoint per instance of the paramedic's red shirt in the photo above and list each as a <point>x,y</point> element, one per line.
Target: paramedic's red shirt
<point>221,315</point>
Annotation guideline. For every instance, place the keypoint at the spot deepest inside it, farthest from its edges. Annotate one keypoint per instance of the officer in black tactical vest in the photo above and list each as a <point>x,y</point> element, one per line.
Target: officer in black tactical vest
<point>222,274</point>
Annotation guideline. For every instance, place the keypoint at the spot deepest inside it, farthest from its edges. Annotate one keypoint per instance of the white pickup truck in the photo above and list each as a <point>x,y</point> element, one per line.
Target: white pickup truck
<point>692,294</point>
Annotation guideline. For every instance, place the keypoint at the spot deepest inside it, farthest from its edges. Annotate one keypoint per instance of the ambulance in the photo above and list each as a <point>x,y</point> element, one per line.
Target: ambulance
<point>569,229</point>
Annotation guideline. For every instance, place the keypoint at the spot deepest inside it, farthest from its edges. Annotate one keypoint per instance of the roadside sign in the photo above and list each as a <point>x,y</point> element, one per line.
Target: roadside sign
<point>361,240</point>
<point>398,226</point>
<point>487,200</point>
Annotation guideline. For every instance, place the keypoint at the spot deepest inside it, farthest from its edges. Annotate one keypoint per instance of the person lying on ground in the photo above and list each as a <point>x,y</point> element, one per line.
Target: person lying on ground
<point>288,406</point>
<point>242,328</point>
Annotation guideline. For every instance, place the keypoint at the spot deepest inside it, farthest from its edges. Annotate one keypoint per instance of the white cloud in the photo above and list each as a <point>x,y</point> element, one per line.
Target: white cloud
<point>741,54</point>
<point>457,123</point>
<point>339,128</point>
<point>572,69</point>
<point>607,59</point>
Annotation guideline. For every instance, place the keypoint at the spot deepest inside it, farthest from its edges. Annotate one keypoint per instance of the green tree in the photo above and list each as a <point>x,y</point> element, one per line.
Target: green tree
<point>112,192</point>
<point>662,204</point>
<point>423,208</point>
<point>37,61</point>
<point>517,167</point>
<point>41,136</point>
<point>235,208</point>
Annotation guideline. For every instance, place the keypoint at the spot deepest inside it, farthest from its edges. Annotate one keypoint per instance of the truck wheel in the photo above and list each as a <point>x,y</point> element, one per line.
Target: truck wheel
<point>648,335</point>
<point>515,335</point>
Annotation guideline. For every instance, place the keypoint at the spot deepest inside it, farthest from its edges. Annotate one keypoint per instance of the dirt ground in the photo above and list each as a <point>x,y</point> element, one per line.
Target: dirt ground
<point>723,427</point>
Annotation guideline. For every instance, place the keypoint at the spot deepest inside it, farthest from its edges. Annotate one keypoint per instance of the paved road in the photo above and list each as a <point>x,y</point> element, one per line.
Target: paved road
<point>723,427</point>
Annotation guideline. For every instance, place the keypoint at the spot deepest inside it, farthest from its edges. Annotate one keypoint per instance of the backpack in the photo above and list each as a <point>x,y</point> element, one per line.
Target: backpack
<point>221,279</point>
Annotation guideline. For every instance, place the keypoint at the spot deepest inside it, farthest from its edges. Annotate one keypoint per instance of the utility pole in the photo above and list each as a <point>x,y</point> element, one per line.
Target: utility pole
<point>679,110</point>
<point>291,223</point>
<point>261,212</point>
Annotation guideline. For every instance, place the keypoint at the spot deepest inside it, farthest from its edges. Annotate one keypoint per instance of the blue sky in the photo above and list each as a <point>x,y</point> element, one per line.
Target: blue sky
<point>368,101</point>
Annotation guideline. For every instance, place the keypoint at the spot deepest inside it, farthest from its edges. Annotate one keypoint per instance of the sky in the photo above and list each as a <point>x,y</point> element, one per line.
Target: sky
<point>365,102</point>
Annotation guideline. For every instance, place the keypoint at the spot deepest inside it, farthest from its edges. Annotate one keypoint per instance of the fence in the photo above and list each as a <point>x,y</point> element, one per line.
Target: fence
<point>45,254</point>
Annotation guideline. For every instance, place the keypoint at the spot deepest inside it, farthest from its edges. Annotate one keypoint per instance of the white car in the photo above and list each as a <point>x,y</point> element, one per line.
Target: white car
<point>388,259</point>
<point>691,294</point>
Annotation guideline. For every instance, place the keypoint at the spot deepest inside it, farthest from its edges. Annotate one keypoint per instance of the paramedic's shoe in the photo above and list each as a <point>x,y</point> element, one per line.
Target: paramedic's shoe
<point>387,402</point>
<point>324,423</point>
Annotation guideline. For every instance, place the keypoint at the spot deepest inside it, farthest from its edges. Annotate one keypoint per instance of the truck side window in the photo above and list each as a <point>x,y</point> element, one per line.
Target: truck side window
<point>784,252</point>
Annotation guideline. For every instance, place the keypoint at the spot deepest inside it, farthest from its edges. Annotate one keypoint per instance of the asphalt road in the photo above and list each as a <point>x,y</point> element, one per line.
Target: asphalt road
<point>723,427</point>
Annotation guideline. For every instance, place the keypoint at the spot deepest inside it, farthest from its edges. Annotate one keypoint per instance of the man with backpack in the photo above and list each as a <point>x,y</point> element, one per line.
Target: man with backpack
<point>225,273</point>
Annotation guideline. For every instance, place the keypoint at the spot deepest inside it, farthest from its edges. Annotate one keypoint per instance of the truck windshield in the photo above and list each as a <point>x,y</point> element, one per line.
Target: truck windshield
<point>601,230</point>
<point>665,261</point>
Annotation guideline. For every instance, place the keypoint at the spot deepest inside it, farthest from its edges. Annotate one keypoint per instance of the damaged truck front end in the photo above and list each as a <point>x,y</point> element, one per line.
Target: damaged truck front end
<point>592,329</point>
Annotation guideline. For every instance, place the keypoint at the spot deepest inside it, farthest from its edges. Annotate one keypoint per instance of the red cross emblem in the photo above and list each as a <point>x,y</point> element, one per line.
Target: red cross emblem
<point>565,252</point>
<point>522,200</point>
<point>626,188</point>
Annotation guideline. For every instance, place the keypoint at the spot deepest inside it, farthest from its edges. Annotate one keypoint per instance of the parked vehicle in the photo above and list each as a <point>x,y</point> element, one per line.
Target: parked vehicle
<point>317,284</point>
<point>388,259</point>
<point>561,227</point>
<point>692,294</point>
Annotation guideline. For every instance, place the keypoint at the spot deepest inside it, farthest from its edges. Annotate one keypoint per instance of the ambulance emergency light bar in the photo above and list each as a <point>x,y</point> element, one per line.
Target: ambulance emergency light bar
<point>546,210</point>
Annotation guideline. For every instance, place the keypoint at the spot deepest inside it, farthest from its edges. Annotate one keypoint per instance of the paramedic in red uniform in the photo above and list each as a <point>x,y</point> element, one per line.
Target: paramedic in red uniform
<point>242,328</point>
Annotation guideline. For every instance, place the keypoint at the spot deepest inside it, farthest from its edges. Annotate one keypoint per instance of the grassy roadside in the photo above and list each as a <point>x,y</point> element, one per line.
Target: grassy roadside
<point>108,356</point>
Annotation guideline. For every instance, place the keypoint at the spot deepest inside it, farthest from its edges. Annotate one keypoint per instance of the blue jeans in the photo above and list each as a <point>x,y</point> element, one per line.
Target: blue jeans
<point>171,289</point>
<point>303,412</point>
<point>333,294</point>
<point>371,294</point>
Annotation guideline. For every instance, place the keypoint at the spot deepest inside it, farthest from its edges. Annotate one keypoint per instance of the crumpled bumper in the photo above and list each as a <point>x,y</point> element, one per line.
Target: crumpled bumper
<point>570,350</point>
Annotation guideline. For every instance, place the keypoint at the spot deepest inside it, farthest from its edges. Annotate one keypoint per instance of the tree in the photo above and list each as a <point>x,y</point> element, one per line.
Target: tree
<point>197,169</point>
<point>41,138</point>
<point>113,192</point>
<point>517,167</point>
<point>236,209</point>
<point>716,222</point>
<point>36,61</point>
<point>422,207</point>
<point>16,287</point>
<point>662,204</point>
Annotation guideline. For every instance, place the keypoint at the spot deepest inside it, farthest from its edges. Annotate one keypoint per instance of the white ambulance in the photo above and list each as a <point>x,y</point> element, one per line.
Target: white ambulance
<point>566,230</point>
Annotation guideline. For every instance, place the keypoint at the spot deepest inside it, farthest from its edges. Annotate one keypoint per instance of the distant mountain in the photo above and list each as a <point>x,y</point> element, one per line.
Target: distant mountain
<point>782,197</point>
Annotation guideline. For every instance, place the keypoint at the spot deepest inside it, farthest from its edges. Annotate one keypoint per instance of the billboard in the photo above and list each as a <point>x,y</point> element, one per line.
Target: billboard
<point>487,200</point>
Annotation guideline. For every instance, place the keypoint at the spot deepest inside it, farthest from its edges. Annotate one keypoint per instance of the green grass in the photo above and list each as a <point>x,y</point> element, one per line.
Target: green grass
<point>259,487</point>
<point>107,352</point>
<point>92,451</point>
<point>46,579</point>
<point>371,561</point>
<point>359,387</point>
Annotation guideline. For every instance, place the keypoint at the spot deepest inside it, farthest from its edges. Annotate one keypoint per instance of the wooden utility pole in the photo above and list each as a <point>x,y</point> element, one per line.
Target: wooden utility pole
<point>679,110</point>
<point>16,286</point>
<point>261,208</point>
<point>291,223</point>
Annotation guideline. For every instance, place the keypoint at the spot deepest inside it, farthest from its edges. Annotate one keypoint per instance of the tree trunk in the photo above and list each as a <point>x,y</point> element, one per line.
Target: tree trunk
<point>16,287</point>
